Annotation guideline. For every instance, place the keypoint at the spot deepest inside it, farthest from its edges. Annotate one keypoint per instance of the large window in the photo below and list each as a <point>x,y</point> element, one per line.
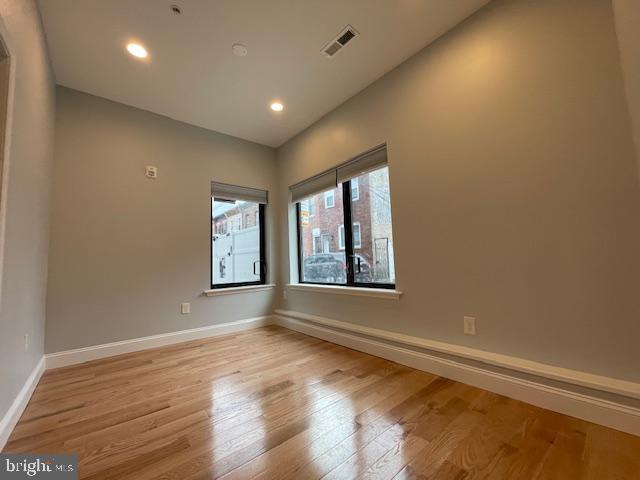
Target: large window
<point>237,236</point>
<point>349,239</point>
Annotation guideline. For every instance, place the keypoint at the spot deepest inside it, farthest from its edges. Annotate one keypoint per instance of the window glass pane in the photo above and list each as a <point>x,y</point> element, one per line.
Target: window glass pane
<point>322,259</point>
<point>357,237</point>
<point>235,242</point>
<point>372,235</point>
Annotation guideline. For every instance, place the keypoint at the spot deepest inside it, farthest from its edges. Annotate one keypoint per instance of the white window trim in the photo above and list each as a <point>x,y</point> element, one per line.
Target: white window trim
<point>328,194</point>
<point>233,290</point>
<point>385,293</point>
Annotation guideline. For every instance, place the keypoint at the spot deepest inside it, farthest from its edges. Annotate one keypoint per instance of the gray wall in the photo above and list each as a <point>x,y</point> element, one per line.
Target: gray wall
<point>25,200</point>
<point>126,250</point>
<point>514,189</point>
<point>627,15</point>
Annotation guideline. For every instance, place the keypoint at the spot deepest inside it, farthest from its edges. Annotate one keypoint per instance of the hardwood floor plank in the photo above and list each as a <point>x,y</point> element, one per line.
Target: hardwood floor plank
<point>286,460</point>
<point>272,404</point>
<point>319,421</point>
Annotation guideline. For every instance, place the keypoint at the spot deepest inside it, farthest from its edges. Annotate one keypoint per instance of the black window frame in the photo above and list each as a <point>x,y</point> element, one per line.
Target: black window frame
<point>348,247</point>
<point>263,258</point>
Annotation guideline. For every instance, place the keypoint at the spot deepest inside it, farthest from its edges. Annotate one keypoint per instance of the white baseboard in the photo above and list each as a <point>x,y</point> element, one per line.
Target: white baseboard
<point>79,355</point>
<point>387,345</point>
<point>12,416</point>
<point>561,399</point>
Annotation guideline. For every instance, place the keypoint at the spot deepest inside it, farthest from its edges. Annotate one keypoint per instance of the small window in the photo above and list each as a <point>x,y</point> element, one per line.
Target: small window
<point>329,199</point>
<point>357,236</point>
<point>355,189</point>
<point>238,236</point>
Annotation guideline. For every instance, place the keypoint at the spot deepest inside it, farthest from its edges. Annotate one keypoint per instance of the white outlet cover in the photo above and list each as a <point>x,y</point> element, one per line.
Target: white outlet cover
<point>185,308</point>
<point>151,172</point>
<point>470,325</point>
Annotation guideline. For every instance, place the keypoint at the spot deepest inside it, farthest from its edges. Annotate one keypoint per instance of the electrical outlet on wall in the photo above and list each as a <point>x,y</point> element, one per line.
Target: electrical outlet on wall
<point>185,308</point>
<point>26,342</point>
<point>151,172</point>
<point>470,325</point>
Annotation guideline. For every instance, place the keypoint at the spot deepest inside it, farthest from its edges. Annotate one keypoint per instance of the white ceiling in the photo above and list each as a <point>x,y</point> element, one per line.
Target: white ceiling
<point>193,76</point>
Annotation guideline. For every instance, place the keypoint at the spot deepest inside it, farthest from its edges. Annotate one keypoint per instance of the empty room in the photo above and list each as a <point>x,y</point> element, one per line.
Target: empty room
<point>305,239</point>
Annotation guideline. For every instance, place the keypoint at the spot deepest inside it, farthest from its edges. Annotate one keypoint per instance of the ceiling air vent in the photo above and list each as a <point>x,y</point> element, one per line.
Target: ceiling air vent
<point>344,37</point>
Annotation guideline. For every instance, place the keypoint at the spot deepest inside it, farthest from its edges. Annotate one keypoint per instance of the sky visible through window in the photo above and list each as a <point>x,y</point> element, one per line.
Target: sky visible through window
<point>218,207</point>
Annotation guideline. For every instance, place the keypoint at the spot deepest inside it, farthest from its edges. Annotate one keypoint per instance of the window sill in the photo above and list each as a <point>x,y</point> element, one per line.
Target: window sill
<point>233,290</point>
<point>353,291</point>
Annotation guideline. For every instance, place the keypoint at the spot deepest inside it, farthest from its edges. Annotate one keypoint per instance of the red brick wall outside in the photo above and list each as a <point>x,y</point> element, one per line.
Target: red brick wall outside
<point>328,221</point>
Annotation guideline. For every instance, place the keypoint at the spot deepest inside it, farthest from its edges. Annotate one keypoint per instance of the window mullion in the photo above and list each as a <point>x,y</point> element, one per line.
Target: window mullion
<point>300,246</point>
<point>263,249</point>
<point>348,232</point>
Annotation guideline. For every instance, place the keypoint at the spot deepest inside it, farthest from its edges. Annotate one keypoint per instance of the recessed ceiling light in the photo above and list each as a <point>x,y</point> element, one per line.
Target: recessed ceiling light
<point>137,50</point>
<point>239,50</point>
<point>277,107</point>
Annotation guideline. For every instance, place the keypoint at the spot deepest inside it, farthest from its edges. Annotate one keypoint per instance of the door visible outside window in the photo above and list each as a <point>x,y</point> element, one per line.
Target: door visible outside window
<point>316,241</point>
<point>326,243</point>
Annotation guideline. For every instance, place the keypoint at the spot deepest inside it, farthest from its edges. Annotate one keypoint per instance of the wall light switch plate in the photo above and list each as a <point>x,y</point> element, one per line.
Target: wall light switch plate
<point>185,308</point>
<point>470,325</point>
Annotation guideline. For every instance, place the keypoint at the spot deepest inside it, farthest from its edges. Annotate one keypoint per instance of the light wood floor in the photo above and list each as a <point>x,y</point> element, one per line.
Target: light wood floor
<point>272,403</point>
